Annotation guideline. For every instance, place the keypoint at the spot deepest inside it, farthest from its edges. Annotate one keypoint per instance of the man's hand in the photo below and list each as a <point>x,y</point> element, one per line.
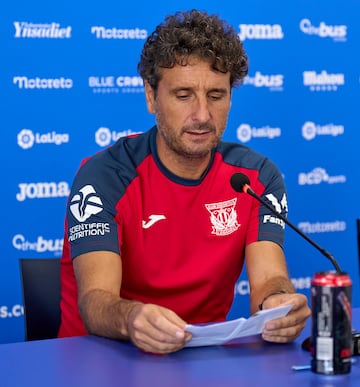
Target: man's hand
<point>288,328</point>
<point>156,329</point>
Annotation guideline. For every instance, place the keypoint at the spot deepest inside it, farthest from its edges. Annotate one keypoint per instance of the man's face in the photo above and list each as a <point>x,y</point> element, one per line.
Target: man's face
<point>191,104</point>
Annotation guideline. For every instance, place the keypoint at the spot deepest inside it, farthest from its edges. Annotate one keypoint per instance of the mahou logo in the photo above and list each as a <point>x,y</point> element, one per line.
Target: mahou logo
<point>323,81</point>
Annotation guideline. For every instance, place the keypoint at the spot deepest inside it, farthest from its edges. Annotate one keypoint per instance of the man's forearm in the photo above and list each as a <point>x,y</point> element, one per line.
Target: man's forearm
<point>273,286</point>
<point>105,314</point>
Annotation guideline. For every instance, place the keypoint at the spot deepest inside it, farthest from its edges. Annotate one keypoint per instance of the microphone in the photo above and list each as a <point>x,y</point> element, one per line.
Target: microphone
<point>241,183</point>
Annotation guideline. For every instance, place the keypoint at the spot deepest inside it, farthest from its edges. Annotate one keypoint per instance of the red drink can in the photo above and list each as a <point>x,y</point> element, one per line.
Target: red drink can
<point>331,344</point>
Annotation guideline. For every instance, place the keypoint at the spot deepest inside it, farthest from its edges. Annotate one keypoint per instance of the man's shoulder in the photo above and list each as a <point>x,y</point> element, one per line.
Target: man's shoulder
<point>241,155</point>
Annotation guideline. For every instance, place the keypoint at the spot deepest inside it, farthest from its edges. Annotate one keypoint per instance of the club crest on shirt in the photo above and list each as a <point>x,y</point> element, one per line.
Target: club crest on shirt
<point>223,217</point>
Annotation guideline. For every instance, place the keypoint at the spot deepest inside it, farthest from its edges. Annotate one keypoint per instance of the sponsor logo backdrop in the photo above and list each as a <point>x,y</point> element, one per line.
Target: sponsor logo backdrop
<point>69,87</point>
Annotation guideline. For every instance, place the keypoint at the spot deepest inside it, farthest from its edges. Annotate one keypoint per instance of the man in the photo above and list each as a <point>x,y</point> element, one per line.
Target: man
<point>155,235</point>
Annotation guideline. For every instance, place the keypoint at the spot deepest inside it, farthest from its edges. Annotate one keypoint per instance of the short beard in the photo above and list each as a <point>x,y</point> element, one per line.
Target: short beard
<point>176,146</point>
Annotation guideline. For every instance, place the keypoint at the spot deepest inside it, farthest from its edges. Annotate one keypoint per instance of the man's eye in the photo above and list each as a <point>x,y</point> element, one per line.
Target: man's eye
<point>215,97</point>
<point>182,96</point>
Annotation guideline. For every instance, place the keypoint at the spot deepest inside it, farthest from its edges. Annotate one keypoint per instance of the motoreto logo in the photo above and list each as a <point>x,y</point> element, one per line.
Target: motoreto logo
<point>37,83</point>
<point>102,32</point>
<point>86,203</point>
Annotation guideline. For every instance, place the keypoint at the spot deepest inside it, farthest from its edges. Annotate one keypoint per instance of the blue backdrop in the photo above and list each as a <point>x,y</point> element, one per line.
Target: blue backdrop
<point>69,87</point>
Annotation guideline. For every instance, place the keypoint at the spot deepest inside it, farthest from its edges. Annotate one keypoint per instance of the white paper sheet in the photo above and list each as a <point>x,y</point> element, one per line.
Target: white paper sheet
<point>221,333</point>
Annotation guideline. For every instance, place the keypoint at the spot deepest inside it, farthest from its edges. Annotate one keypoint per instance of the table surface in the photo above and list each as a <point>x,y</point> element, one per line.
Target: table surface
<point>93,361</point>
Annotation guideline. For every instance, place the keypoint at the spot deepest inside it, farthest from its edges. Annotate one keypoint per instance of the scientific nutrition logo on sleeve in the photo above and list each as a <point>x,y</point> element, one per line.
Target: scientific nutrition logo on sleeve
<point>26,138</point>
<point>83,205</point>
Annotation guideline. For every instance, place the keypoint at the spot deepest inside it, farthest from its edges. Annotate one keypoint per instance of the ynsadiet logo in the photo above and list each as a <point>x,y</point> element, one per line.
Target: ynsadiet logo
<point>52,30</point>
<point>26,138</point>
<point>85,203</point>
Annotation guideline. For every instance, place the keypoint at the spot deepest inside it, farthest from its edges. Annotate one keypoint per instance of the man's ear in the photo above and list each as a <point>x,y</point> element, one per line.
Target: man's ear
<point>150,97</point>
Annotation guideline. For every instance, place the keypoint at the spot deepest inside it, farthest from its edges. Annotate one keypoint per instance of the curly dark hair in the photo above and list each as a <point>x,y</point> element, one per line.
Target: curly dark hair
<point>193,33</point>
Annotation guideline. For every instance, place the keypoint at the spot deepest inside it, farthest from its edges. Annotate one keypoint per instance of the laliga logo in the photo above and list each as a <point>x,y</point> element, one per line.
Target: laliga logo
<point>310,130</point>
<point>245,132</point>
<point>86,203</point>
<point>25,139</point>
<point>103,136</point>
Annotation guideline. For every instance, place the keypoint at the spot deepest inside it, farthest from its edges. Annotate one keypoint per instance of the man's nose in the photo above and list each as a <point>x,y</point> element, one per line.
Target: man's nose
<point>201,111</point>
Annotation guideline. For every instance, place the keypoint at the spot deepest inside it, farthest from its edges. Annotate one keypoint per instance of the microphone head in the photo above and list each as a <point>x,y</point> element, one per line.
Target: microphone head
<point>238,181</point>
